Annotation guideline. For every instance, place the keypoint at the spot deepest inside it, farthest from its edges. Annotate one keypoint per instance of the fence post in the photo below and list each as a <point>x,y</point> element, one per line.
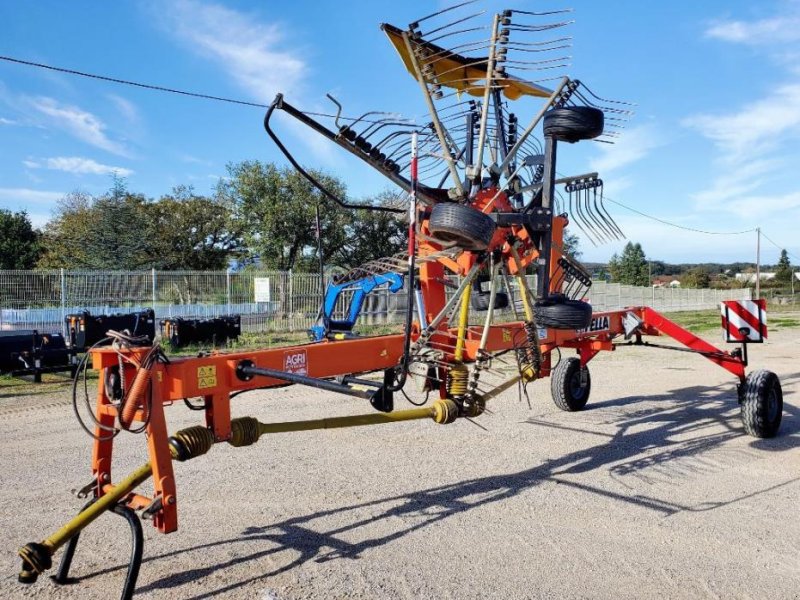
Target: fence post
<point>153,286</point>
<point>291,301</point>
<point>63,303</point>
<point>228,288</point>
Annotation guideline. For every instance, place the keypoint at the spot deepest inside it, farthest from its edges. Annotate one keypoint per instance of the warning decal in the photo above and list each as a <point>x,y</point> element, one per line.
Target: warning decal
<point>295,361</point>
<point>206,377</point>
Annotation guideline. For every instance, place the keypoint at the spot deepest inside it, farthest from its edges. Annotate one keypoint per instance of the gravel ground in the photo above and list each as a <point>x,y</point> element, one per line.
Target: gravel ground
<point>653,491</point>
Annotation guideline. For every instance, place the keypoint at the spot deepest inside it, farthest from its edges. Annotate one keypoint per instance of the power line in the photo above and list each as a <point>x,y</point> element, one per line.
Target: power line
<point>159,88</point>
<point>677,226</point>
<point>778,246</point>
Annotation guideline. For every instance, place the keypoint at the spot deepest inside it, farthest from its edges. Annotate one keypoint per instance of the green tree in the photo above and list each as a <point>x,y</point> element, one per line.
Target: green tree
<point>19,241</point>
<point>631,267</point>
<point>571,246</point>
<point>64,236</point>
<point>274,210</point>
<point>783,272</point>
<point>192,232</point>
<point>122,231</point>
<point>374,234</point>
<point>696,277</point>
<point>108,232</point>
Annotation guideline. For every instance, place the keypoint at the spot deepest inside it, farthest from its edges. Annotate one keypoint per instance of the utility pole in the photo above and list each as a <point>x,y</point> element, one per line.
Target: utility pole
<point>758,263</point>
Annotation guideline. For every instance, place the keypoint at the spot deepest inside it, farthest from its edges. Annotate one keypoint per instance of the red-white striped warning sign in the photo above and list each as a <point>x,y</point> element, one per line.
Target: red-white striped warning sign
<point>744,320</point>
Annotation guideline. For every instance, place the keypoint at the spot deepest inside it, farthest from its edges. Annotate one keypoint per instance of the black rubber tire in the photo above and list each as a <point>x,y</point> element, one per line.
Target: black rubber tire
<point>559,312</point>
<point>762,404</point>
<point>565,385</point>
<point>480,300</point>
<point>574,123</point>
<point>468,227</point>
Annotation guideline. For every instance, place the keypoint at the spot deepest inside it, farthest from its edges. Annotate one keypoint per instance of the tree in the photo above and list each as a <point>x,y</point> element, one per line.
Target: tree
<point>122,231</point>
<point>64,236</point>
<point>19,241</point>
<point>191,232</point>
<point>571,245</point>
<point>374,234</point>
<point>631,267</point>
<point>697,277</point>
<point>783,272</point>
<point>274,210</point>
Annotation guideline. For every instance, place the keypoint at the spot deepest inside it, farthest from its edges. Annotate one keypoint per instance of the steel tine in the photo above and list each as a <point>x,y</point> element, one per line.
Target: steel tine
<point>457,32</point>
<point>579,218</point>
<point>416,23</point>
<point>604,218</point>
<point>598,215</point>
<point>591,217</point>
<point>611,219</point>
<point>452,23</point>
<point>562,11</point>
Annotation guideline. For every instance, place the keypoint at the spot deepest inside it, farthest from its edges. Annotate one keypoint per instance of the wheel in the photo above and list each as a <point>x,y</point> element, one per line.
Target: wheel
<point>574,123</point>
<point>480,300</point>
<point>466,226</point>
<point>762,404</point>
<point>565,385</point>
<point>559,312</point>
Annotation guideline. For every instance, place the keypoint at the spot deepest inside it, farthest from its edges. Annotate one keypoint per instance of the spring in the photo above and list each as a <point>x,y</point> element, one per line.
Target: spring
<point>191,442</point>
<point>135,398</point>
<point>457,380</point>
<point>529,358</point>
<point>244,432</point>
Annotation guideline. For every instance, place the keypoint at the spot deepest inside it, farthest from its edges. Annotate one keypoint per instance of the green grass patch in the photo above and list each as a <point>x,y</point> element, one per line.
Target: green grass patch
<point>696,321</point>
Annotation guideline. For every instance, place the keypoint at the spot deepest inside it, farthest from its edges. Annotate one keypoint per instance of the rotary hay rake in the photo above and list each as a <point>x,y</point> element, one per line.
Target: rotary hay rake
<point>484,208</point>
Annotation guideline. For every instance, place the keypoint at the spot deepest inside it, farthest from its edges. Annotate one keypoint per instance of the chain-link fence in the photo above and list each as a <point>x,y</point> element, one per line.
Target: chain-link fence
<point>267,301</point>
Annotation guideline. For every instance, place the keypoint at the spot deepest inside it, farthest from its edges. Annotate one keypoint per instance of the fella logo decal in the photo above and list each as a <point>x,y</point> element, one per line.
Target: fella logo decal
<point>598,324</point>
<point>295,362</point>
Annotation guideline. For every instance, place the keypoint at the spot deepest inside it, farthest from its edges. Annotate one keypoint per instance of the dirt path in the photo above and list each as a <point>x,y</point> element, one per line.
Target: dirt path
<point>653,491</point>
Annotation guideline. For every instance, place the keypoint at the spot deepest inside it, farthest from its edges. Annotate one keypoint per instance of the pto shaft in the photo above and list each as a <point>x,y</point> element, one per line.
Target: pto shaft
<point>196,441</point>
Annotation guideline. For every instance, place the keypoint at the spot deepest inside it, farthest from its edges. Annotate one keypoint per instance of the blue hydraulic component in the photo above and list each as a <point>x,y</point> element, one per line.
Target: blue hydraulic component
<point>360,287</point>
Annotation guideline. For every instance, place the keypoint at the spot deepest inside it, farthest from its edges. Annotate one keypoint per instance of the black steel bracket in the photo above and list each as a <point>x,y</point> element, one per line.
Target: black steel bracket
<point>137,538</point>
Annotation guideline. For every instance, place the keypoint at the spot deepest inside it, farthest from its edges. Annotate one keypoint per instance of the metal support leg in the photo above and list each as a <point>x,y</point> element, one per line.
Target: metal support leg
<point>137,550</point>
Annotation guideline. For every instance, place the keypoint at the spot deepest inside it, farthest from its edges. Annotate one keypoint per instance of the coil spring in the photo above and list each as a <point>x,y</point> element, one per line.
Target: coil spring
<point>457,381</point>
<point>528,353</point>
<point>244,432</point>
<point>135,398</point>
<point>191,442</point>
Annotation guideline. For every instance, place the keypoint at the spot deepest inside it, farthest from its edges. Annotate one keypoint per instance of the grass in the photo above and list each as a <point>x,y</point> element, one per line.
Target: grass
<point>701,321</point>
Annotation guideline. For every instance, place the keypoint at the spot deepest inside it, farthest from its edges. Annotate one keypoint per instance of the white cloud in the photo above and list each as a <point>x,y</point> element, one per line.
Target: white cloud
<point>739,180</point>
<point>4,121</point>
<point>82,124</point>
<point>249,50</point>
<point>632,146</point>
<point>754,129</point>
<point>78,165</point>
<point>125,107</point>
<point>785,205</point>
<point>28,196</point>
<point>785,28</point>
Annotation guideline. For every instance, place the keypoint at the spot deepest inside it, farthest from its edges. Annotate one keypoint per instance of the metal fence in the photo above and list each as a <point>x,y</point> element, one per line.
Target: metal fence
<point>268,301</point>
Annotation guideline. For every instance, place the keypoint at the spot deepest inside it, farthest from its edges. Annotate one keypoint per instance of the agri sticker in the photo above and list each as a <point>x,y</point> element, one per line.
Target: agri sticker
<point>295,361</point>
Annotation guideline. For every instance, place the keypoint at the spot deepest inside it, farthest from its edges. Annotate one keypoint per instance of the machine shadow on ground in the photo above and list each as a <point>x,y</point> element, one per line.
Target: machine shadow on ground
<point>646,440</point>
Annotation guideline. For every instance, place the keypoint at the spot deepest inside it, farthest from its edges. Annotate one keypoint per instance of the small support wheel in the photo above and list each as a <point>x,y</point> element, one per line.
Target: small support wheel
<point>463,225</point>
<point>570,385</point>
<point>762,404</point>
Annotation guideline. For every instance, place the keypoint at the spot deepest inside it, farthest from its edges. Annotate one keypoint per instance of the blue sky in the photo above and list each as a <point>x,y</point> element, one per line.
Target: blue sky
<point>712,146</point>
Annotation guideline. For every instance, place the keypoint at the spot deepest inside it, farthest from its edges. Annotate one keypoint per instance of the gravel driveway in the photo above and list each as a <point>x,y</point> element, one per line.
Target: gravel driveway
<point>654,491</point>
